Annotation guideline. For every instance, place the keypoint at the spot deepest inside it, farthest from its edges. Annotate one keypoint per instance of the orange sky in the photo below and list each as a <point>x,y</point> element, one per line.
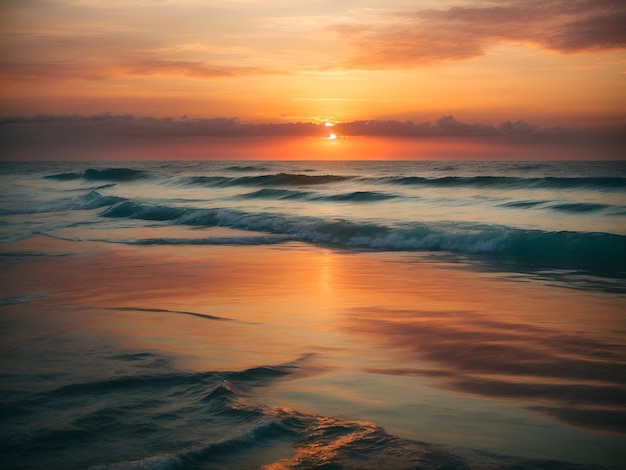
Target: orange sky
<point>547,62</point>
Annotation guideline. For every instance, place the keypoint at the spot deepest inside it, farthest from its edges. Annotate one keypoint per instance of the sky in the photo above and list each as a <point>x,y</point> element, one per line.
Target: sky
<point>450,67</point>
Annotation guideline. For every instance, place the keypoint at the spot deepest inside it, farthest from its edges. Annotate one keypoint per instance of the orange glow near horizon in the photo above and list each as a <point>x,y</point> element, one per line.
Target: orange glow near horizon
<point>317,148</point>
<point>161,60</point>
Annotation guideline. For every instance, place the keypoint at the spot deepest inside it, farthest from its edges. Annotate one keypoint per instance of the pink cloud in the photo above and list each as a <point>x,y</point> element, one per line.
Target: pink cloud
<point>432,36</point>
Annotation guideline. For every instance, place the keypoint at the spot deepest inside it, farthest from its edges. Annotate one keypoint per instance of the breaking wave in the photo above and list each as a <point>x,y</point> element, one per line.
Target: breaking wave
<point>590,251</point>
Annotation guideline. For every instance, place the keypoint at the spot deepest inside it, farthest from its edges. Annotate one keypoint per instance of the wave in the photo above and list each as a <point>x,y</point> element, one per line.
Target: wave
<point>593,251</point>
<point>508,182</point>
<point>94,200</point>
<point>496,182</point>
<point>269,193</point>
<point>244,168</point>
<point>523,204</point>
<point>241,240</point>
<point>568,207</point>
<point>580,207</point>
<point>356,196</point>
<point>299,179</point>
<point>108,174</point>
<point>278,179</point>
<point>135,210</point>
<point>209,419</point>
<point>91,200</point>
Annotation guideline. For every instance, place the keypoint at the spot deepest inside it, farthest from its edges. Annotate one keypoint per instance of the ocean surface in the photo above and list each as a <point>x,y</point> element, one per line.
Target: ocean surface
<point>313,315</point>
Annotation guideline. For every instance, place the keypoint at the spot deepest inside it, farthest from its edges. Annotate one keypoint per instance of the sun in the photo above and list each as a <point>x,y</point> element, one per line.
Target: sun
<point>332,136</point>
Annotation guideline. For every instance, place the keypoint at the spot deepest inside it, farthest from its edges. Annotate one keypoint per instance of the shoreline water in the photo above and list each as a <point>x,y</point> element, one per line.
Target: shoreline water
<point>131,341</point>
<point>373,348</point>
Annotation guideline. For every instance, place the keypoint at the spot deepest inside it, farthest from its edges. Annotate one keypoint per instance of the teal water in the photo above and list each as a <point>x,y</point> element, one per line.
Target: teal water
<point>313,314</point>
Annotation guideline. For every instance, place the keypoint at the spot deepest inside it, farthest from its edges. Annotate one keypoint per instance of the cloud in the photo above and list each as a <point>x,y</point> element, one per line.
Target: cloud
<point>102,54</point>
<point>191,69</point>
<point>444,126</point>
<point>432,36</point>
<point>87,69</point>
<point>572,377</point>
<point>79,127</point>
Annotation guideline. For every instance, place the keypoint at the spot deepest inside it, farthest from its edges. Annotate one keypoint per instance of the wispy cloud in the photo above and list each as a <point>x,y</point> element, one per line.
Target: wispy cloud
<point>432,36</point>
<point>45,70</point>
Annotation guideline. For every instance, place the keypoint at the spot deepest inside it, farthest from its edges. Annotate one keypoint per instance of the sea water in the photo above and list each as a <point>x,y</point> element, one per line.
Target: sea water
<point>313,314</point>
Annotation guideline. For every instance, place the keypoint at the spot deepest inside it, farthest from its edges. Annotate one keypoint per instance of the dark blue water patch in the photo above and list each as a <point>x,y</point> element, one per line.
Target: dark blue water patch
<point>204,316</point>
<point>506,182</point>
<point>65,176</point>
<point>246,168</point>
<point>207,180</point>
<point>94,200</point>
<point>358,196</point>
<point>288,179</point>
<point>135,210</point>
<point>93,188</point>
<point>122,417</point>
<point>523,204</point>
<point>269,193</point>
<point>579,207</point>
<point>235,240</point>
<point>114,174</point>
<point>108,174</point>
<point>90,200</point>
<point>278,179</point>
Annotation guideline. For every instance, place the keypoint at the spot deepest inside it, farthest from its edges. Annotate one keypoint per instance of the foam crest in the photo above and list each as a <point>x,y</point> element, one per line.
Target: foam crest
<point>572,250</point>
<point>94,200</point>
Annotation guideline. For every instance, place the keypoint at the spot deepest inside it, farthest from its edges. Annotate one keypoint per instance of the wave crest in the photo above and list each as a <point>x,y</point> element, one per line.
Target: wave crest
<point>534,249</point>
<point>277,179</point>
<point>108,174</point>
<point>509,182</point>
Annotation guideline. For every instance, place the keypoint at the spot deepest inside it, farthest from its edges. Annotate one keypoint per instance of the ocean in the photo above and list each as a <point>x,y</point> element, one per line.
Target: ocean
<point>313,315</point>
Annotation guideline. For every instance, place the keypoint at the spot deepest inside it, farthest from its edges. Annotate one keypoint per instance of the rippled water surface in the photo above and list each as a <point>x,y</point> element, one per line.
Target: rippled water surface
<point>313,315</point>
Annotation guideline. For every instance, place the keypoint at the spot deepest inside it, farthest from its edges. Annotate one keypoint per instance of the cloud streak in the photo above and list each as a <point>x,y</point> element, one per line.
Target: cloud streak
<point>433,36</point>
<point>138,67</point>
<point>110,125</point>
